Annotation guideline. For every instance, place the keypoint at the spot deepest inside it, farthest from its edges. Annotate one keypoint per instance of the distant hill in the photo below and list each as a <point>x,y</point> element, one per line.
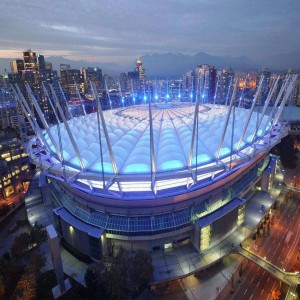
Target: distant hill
<point>173,65</point>
<point>283,61</point>
<point>110,68</point>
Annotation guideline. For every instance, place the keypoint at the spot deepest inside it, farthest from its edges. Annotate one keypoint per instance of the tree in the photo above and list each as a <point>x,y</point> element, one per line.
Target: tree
<point>107,279</point>
<point>6,256</point>
<point>38,234</point>
<point>140,268</point>
<point>27,287</point>
<point>20,244</point>
<point>94,278</point>
<point>2,287</point>
<point>37,263</point>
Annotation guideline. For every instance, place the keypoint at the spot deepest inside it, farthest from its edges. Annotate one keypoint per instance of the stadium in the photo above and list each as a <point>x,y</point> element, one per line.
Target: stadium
<point>156,175</point>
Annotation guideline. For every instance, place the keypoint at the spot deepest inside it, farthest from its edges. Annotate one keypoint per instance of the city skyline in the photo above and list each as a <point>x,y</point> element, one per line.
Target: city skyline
<point>120,32</point>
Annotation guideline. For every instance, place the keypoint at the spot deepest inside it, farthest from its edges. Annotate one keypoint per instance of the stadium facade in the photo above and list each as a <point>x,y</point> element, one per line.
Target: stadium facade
<point>157,175</point>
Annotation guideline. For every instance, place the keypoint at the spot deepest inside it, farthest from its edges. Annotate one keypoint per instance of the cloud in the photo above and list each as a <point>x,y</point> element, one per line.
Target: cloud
<point>121,29</point>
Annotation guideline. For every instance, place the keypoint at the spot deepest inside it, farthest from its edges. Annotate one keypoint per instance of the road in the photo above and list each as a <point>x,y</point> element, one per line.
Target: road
<point>281,246</point>
<point>257,284</point>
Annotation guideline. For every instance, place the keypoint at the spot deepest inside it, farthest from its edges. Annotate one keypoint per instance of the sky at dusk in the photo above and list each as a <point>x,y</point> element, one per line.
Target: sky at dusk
<point>119,30</point>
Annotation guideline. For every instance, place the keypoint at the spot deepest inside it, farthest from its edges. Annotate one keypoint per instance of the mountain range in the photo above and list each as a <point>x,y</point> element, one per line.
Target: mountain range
<point>173,65</point>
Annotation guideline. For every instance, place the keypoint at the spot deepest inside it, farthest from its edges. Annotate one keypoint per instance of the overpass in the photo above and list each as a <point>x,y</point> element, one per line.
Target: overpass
<point>292,279</point>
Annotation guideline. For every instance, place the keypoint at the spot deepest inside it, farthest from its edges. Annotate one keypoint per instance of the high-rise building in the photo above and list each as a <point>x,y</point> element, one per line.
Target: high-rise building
<point>30,60</point>
<point>123,82</point>
<point>41,62</point>
<point>207,80</point>
<point>17,66</point>
<point>70,78</point>
<point>140,70</point>
<point>226,80</point>
<point>93,75</point>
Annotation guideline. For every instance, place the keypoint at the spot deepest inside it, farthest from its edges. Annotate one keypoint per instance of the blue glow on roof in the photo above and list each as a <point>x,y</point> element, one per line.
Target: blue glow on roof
<point>145,98</point>
<point>156,97</point>
<point>171,165</point>
<point>168,96</point>
<point>202,96</point>
<point>136,168</point>
<point>200,159</point>
<point>249,138</point>
<point>179,95</point>
<point>224,151</point>
<point>241,146</point>
<point>97,167</point>
<point>191,95</point>
<point>259,133</point>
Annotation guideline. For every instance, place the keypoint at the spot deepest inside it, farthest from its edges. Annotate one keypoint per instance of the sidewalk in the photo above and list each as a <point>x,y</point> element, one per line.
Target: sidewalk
<point>209,286</point>
<point>184,261</point>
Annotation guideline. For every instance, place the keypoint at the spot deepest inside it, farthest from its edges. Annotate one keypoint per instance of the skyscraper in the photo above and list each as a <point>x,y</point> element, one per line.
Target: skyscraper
<point>17,66</point>
<point>92,75</point>
<point>30,60</point>
<point>123,82</point>
<point>140,70</point>
<point>226,80</point>
<point>41,62</point>
<point>208,76</point>
<point>69,78</point>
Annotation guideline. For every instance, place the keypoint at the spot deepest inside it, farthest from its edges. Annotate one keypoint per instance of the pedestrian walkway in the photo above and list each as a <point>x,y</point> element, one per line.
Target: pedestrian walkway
<point>209,285</point>
<point>180,262</point>
<point>291,279</point>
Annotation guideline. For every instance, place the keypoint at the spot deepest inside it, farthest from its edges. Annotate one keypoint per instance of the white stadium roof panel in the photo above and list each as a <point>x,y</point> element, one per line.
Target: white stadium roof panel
<point>129,135</point>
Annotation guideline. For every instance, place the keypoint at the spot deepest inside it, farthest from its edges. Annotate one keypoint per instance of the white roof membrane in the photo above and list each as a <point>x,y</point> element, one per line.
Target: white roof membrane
<point>129,135</point>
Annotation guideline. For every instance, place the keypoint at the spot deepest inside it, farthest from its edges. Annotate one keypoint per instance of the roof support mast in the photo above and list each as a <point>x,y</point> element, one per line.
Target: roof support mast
<point>216,90</point>
<point>270,95</point>
<point>70,134</point>
<point>79,96</point>
<point>250,113</point>
<point>190,162</point>
<point>107,92</point>
<point>100,140</point>
<point>44,122</point>
<point>66,101</point>
<point>283,87</point>
<point>232,102</point>
<point>29,115</point>
<point>285,98</point>
<point>112,158</point>
<point>58,128</point>
<point>228,92</point>
<point>153,162</point>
